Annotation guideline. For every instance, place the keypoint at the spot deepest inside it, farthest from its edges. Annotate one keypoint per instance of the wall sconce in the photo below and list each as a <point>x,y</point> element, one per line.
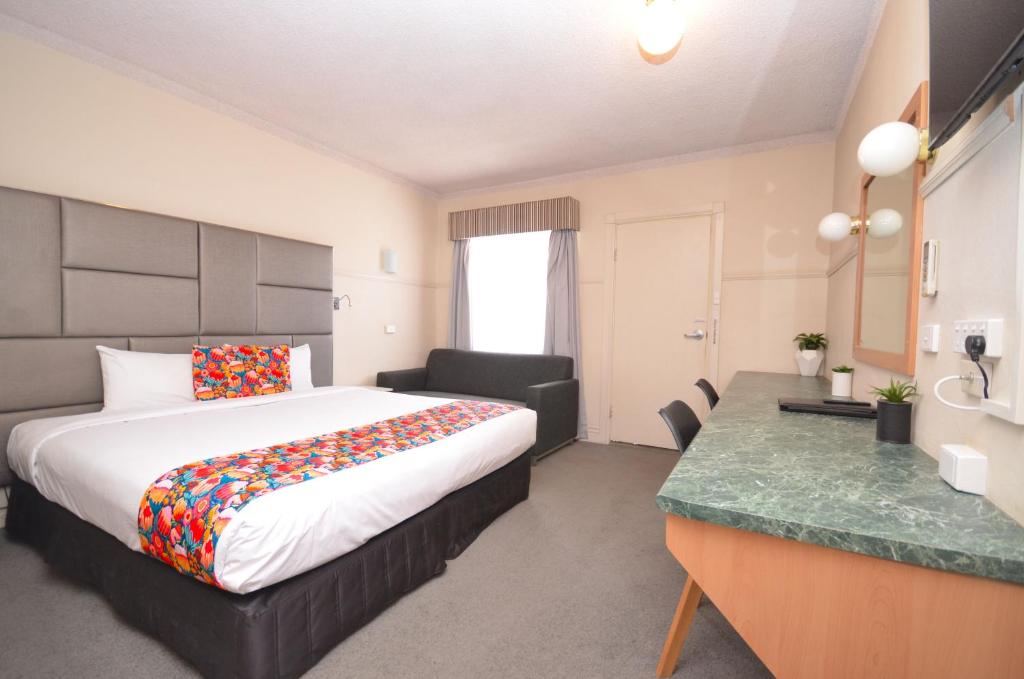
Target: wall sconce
<point>891,148</point>
<point>389,260</point>
<point>337,302</point>
<point>882,223</point>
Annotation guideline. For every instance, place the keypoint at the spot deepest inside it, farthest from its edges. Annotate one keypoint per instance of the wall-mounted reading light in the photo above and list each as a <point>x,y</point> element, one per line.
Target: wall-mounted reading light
<point>337,302</point>
<point>389,260</point>
<point>882,223</point>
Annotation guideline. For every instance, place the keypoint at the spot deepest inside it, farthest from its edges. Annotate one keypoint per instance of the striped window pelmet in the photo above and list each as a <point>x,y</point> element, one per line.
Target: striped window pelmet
<point>552,214</point>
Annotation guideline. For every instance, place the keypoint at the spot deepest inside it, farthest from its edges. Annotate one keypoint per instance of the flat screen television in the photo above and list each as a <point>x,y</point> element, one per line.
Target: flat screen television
<point>975,46</point>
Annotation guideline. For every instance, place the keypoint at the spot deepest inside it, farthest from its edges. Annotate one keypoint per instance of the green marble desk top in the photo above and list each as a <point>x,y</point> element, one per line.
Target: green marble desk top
<point>826,481</point>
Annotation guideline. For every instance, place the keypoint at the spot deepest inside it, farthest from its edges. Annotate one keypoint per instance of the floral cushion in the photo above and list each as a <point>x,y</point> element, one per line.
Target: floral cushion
<point>237,371</point>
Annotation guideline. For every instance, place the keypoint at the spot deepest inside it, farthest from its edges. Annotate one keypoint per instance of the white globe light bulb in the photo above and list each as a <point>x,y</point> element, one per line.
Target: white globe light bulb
<point>884,223</point>
<point>889,149</point>
<point>660,26</point>
<point>835,226</point>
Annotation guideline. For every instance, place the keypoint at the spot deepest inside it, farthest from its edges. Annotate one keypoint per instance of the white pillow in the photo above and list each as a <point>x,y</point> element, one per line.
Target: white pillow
<point>135,379</point>
<point>301,371</point>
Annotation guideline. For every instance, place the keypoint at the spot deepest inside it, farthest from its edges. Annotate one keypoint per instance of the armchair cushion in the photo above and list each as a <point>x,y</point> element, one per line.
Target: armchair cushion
<point>413,379</point>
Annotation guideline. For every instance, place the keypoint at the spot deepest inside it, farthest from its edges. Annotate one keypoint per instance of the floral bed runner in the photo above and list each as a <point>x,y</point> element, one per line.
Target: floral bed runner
<point>184,512</point>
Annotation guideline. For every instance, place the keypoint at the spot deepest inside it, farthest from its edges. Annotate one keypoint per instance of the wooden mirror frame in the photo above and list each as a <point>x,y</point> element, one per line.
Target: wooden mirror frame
<point>915,113</point>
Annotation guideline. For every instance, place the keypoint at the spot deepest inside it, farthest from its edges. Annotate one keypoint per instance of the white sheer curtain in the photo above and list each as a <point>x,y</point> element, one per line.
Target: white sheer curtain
<point>507,278</point>
<point>562,326</point>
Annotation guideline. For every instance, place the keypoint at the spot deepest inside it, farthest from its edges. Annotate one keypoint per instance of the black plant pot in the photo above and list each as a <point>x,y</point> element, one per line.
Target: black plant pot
<point>893,424</point>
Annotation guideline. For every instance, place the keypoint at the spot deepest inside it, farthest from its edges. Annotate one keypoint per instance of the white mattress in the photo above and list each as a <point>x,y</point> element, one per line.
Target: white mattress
<point>99,466</point>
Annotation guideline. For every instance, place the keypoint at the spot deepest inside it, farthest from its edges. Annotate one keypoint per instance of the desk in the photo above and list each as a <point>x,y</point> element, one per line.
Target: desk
<point>834,555</point>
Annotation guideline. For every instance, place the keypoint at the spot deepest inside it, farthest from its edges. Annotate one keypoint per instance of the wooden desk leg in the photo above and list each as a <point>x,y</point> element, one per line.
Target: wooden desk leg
<point>685,610</point>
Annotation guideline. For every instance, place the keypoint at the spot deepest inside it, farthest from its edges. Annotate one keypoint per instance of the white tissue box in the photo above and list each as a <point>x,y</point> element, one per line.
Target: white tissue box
<point>963,467</point>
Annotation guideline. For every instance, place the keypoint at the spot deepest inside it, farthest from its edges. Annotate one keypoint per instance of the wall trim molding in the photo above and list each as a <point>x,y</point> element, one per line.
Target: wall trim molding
<point>386,278</point>
<point>773,275</point>
<point>846,259</point>
<point>886,273</point>
<point>749,276</point>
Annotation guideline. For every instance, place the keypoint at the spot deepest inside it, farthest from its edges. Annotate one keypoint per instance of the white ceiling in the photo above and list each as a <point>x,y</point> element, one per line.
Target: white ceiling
<point>459,94</point>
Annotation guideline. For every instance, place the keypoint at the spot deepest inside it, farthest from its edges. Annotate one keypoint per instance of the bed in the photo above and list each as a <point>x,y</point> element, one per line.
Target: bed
<point>297,570</point>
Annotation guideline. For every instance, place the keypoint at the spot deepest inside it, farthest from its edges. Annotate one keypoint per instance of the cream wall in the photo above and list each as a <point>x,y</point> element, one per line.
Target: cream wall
<point>71,128</point>
<point>774,266</point>
<point>897,63</point>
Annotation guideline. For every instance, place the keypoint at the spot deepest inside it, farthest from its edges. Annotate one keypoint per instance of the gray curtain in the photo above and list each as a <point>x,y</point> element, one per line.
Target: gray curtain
<point>458,300</point>
<point>562,327</point>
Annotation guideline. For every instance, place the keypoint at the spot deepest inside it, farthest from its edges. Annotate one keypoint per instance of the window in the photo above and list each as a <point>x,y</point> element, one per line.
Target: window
<point>508,288</point>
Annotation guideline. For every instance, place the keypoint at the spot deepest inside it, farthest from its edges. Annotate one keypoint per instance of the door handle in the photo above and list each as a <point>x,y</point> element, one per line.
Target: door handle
<point>696,334</point>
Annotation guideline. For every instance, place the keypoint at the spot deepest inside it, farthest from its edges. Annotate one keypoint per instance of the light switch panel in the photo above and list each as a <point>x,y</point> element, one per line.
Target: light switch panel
<point>930,338</point>
<point>390,330</point>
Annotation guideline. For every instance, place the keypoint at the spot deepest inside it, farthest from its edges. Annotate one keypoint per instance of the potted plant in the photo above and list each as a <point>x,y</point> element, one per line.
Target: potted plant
<point>893,425</point>
<point>810,352</point>
<point>842,381</point>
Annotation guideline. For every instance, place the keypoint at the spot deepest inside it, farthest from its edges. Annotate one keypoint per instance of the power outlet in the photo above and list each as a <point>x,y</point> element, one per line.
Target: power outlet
<point>991,330</point>
<point>971,381</point>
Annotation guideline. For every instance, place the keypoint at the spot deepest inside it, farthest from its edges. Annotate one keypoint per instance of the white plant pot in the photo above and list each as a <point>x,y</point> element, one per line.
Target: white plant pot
<point>842,384</point>
<point>809,361</point>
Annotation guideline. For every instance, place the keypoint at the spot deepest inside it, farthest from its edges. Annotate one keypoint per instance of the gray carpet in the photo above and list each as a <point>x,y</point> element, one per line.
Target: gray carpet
<point>574,582</point>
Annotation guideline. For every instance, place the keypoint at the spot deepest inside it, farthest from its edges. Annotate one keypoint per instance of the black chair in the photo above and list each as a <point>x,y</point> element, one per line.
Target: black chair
<point>708,390</point>
<point>682,422</point>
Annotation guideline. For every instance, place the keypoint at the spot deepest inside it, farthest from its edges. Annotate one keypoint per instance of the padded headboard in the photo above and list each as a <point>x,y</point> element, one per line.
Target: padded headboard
<point>76,274</point>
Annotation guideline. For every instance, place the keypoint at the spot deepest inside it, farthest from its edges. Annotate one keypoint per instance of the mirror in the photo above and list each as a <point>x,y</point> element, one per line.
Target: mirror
<point>888,267</point>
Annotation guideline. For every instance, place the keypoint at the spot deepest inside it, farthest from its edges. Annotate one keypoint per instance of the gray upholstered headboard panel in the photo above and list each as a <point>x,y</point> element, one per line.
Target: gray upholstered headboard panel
<point>76,274</point>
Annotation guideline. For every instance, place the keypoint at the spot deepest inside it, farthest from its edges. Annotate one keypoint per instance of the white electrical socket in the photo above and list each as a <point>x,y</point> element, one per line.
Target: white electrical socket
<point>390,330</point>
<point>971,380</point>
<point>991,330</point>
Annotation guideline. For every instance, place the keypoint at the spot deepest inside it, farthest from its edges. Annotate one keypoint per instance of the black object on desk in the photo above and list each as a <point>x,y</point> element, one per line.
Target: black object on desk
<point>818,406</point>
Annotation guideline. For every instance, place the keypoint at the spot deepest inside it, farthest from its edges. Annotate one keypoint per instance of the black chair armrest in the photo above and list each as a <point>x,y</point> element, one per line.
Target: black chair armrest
<point>557,405</point>
<point>413,379</point>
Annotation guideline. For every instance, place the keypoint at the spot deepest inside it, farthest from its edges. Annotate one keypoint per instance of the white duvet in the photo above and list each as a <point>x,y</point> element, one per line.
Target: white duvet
<point>99,466</point>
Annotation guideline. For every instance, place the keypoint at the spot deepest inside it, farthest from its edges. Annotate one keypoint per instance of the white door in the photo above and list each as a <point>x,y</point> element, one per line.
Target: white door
<point>662,324</point>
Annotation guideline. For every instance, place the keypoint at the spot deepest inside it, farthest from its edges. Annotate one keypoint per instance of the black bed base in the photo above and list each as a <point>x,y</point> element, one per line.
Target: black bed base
<point>281,630</point>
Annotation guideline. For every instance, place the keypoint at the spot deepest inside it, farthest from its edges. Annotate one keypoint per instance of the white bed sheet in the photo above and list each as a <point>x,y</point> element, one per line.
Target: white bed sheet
<point>99,465</point>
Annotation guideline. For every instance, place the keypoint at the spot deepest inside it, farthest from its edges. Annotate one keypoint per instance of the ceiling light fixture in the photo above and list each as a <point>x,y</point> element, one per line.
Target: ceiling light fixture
<point>659,30</point>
